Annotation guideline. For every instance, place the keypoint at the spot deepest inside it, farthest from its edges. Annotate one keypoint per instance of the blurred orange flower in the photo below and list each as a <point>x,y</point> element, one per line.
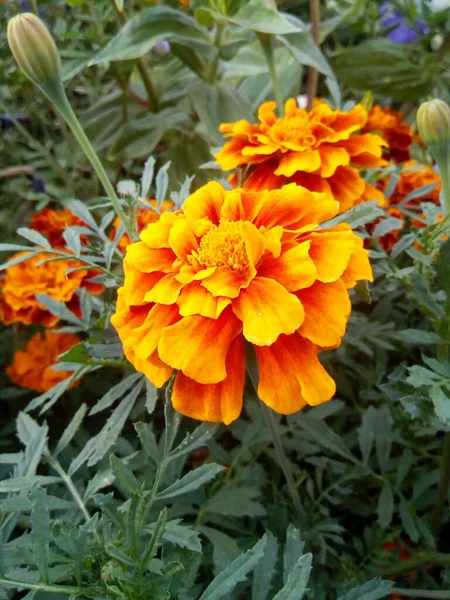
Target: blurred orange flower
<point>234,266</point>
<point>32,366</point>
<point>313,149</point>
<point>413,177</point>
<point>393,129</point>
<point>21,282</point>
<point>52,224</point>
<point>144,217</point>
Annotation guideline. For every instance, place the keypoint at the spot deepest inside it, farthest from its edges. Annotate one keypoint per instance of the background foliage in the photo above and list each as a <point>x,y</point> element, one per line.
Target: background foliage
<point>104,491</point>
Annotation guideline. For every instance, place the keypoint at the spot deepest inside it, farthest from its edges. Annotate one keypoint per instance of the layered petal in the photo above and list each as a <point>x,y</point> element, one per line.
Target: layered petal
<point>190,345</point>
<point>294,268</point>
<point>327,309</point>
<point>330,251</point>
<point>291,376</point>
<point>219,402</point>
<point>267,310</point>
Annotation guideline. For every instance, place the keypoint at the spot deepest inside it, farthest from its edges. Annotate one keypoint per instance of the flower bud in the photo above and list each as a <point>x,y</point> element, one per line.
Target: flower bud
<point>433,122</point>
<point>34,48</point>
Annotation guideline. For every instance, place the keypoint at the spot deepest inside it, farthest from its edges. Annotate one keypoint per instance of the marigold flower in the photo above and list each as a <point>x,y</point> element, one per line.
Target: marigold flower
<point>52,224</point>
<point>32,367</point>
<point>235,265</point>
<point>21,282</point>
<point>312,149</point>
<point>392,128</point>
<point>413,177</point>
<point>144,217</point>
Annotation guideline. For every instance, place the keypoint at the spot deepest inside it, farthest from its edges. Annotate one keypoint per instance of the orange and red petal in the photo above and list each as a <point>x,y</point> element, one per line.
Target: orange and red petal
<point>198,346</point>
<point>294,269</point>
<point>358,268</point>
<point>267,310</point>
<point>219,402</point>
<point>227,282</point>
<point>156,235</point>
<point>331,251</point>
<point>291,375</point>
<point>205,203</point>
<point>149,260</point>
<point>194,299</point>
<point>327,309</point>
<point>307,160</point>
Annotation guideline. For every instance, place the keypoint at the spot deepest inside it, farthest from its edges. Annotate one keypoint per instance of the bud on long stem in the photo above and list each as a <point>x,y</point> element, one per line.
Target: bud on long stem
<point>433,123</point>
<point>37,55</point>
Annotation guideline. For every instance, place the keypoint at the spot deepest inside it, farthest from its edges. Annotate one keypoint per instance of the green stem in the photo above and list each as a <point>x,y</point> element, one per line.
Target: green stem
<point>142,67</point>
<point>43,587</point>
<point>441,155</point>
<point>417,562</point>
<point>420,593</point>
<point>313,76</point>
<point>266,42</point>
<point>69,484</point>
<point>442,491</point>
<point>272,426</point>
<point>217,44</point>
<point>55,92</point>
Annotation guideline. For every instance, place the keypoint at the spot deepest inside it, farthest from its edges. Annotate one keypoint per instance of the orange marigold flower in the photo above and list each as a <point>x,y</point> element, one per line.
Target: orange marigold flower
<point>392,128</point>
<point>312,149</point>
<point>52,224</point>
<point>235,265</point>
<point>413,177</point>
<point>32,367</point>
<point>21,282</point>
<point>144,217</point>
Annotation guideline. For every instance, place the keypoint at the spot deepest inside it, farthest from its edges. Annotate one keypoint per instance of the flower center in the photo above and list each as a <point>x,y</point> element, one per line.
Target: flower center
<point>296,130</point>
<point>224,246</point>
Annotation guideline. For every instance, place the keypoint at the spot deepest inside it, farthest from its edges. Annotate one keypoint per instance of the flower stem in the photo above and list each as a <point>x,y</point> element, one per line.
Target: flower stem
<point>417,562</point>
<point>313,75</point>
<point>406,592</point>
<point>442,491</point>
<point>441,155</point>
<point>272,426</point>
<point>55,92</point>
<point>152,101</point>
<point>266,41</point>
<point>69,484</point>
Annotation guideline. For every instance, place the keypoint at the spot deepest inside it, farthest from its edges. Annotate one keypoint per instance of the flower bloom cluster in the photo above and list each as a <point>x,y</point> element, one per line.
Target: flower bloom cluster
<point>390,125</point>
<point>413,177</point>
<point>41,274</point>
<point>32,367</point>
<point>144,217</point>
<point>233,266</point>
<point>320,150</point>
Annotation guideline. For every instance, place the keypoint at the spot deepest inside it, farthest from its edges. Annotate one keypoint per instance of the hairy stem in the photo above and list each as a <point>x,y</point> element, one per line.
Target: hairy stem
<point>406,592</point>
<point>417,562</point>
<point>152,101</point>
<point>313,75</point>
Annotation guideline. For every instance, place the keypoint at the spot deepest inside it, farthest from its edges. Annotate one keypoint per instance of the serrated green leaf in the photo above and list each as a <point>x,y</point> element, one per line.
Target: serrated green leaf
<point>124,474</point>
<point>17,484</point>
<point>293,550</point>
<point>114,393</point>
<point>71,430</point>
<point>360,215</point>
<point>297,580</point>
<point>235,572</point>
<point>237,502</point>
<point>191,481</point>
<point>408,521</point>
<point>385,509</point>
<point>441,403</point>
<point>148,441</point>
<point>265,569</point>
<point>40,531</point>
<point>372,590</point>
<point>194,440</point>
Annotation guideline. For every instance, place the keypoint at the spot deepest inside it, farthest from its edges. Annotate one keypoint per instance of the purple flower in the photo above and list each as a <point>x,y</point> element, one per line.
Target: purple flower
<point>162,47</point>
<point>6,120</point>
<point>39,186</point>
<point>400,30</point>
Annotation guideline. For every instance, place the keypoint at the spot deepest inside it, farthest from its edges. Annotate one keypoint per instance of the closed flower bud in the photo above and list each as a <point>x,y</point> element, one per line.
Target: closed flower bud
<point>34,48</point>
<point>433,122</point>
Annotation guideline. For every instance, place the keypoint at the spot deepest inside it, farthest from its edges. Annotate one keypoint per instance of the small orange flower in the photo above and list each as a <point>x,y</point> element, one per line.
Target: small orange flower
<point>234,266</point>
<point>392,128</point>
<point>413,177</point>
<point>32,367</point>
<point>21,282</point>
<point>144,217</point>
<point>52,224</point>
<point>313,149</point>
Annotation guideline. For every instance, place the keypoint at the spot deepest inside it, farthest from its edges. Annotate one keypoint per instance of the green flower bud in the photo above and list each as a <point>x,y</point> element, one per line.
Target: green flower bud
<point>34,48</point>
<point>433,122</point>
